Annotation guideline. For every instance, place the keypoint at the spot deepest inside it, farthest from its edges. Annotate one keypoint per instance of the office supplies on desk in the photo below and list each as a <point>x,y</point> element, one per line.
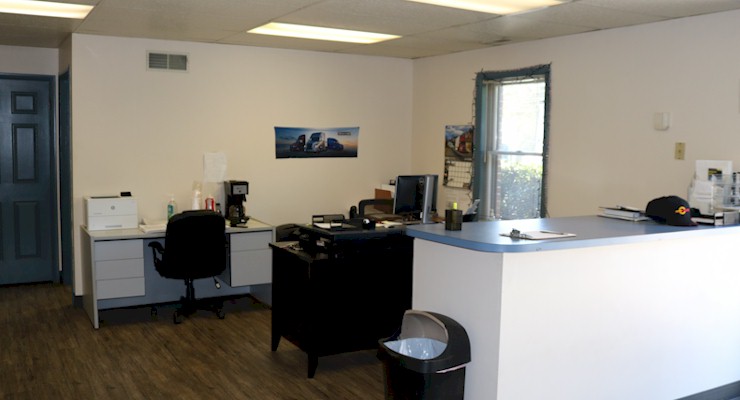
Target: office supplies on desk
<point>453,219</point>
<point>388,224</point>
<point>717,219</point>
<point>153,227</point>
<point>537,235</point>
<point>624,213</point>
<point>330,221</point>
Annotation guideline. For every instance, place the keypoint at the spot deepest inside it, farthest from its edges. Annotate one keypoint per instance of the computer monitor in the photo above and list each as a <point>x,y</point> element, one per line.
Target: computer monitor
<point>414,194</point>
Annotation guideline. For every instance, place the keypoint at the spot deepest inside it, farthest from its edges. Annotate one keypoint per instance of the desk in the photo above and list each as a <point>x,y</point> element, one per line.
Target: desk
<point>624,310</point>
<point>118,268</point>
<point>344,297</point>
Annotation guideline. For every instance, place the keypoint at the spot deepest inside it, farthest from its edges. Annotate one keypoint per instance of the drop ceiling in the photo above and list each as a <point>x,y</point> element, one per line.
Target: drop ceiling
<point>426,30</point>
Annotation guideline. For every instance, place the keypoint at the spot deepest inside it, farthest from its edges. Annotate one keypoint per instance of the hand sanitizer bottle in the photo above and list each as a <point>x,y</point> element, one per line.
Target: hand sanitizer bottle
<point>171,208</point>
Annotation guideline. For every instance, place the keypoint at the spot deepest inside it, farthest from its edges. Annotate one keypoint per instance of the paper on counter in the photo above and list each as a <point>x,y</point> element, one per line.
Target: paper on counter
<point>539,235</point>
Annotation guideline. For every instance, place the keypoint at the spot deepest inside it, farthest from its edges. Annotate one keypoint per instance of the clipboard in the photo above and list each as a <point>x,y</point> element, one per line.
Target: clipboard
<point>538,235</point>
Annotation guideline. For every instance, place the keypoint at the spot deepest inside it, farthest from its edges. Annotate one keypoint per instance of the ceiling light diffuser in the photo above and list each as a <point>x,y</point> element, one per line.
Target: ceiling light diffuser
<point>319,33</point>
<point>45,8</point>
<point>500,7</point>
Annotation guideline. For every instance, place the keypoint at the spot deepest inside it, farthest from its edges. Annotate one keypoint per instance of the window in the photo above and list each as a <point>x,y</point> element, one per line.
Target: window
<point>511,149</point>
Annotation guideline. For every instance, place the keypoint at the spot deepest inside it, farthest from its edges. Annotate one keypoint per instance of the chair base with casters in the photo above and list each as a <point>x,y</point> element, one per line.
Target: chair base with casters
<point>190,304</point>
<point>195,248</point>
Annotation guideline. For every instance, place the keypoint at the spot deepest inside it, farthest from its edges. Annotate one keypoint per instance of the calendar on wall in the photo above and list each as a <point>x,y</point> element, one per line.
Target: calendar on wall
<point>458,156</point>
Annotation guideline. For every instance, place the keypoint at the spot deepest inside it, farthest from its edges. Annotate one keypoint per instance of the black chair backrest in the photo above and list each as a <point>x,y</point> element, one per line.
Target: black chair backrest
<point>287,232</point>
<point>194,245</point>
<point>382,206</point>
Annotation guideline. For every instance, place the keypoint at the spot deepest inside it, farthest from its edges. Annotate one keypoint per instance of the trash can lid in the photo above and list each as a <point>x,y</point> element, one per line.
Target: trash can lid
<point>421,324</point>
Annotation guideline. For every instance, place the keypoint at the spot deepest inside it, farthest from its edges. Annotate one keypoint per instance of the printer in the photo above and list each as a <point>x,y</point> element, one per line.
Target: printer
<point>111,212</point>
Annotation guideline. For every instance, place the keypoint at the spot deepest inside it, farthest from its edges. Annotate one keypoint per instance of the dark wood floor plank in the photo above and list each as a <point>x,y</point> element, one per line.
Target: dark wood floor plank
<point>49,350</point>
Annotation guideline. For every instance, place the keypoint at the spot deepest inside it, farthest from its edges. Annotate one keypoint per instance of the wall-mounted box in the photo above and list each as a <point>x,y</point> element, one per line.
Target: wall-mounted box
<point>111,212</point>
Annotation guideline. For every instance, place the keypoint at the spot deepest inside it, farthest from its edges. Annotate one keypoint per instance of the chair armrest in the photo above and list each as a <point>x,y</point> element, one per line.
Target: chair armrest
<point>157,251</point>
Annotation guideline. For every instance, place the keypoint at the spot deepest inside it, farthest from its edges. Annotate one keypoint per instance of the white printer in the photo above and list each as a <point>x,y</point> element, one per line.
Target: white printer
<point>111,212</point>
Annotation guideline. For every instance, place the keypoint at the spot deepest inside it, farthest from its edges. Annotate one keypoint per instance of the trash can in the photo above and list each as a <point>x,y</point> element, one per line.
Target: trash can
<point>426,359</point>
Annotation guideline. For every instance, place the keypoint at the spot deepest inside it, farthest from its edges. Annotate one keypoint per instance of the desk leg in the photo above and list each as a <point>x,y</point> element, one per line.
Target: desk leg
<point>313,363</point>
<point>275,339</point>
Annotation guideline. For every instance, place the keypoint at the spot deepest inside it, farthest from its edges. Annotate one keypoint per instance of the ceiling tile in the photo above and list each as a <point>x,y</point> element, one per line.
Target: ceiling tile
<point>251,39</point>
<point>382,16</point>
<point>579,14</point>
<point>667,8</point>
<point>517,27</point>
<point>427,29</point>
<point>46,23</point>
<point>31,37</point>
<point>174,26</point>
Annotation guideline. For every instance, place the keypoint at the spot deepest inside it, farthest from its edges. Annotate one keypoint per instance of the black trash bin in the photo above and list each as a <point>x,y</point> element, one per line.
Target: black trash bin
<point>426,359</point>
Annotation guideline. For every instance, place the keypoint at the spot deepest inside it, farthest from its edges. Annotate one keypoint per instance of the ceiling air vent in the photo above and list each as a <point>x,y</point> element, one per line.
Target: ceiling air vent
<point>164,61</point>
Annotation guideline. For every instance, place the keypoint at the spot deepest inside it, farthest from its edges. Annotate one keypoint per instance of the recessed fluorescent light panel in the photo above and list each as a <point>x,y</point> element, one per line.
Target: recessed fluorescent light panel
<point>319,33</point>
<point>45,8</point>
<point>500,7</point>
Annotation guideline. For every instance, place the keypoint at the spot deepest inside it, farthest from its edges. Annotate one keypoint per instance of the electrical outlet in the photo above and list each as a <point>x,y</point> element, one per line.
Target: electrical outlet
<point>680,152</point>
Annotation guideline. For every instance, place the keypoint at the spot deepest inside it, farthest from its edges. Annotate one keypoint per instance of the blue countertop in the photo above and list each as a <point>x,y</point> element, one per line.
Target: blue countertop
<point>589,230</point>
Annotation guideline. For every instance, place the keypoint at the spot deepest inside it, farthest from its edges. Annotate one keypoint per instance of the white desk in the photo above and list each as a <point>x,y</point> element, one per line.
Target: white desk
<point>118,268</point>
<point>623,310</point>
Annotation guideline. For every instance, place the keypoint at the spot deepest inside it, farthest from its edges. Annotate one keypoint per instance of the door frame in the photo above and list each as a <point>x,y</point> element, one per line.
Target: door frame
<point>66,231</point>
<point>53,169</point>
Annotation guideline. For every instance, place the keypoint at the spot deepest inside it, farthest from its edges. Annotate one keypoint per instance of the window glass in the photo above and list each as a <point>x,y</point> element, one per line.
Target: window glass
<point>510,169</point>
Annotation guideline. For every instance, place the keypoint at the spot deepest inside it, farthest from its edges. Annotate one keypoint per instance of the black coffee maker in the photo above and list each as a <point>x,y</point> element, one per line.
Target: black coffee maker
<point>236,195</point>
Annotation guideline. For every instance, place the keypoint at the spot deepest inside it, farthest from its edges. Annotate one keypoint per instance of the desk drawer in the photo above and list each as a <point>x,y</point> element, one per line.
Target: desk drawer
<point>251,241</point>
<point>117,269</point>
<point>251,268</point>
<point>115,288</point>
<point>119,249</point>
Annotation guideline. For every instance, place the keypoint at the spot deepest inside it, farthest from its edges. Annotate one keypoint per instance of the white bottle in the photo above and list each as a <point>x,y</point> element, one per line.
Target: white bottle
<point>197,201</point>
<point>171,208</point>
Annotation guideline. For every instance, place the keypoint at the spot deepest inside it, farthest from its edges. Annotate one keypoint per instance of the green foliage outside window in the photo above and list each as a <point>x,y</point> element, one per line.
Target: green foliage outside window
<point>519,187</point>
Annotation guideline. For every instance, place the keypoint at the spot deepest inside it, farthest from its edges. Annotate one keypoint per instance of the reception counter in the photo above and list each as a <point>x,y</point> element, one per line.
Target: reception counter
<point>623,310</point>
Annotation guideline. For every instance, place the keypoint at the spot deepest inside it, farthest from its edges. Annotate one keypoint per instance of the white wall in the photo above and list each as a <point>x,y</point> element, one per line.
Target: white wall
<point>28,60</point>
<point>605,88</point>
<point>146,131</point>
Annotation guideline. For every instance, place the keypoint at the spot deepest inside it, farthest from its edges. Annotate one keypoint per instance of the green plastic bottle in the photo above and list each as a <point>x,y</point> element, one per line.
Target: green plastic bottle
<point>171,208</point>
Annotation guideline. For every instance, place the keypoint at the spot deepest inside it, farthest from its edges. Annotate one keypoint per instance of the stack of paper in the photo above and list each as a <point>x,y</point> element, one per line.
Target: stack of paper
<point>148,228</point>
<point>718,218</point>
<point>623,212</point>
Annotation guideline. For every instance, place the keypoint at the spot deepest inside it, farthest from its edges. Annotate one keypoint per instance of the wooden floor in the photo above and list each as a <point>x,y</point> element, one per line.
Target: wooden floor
<point>49,350</point>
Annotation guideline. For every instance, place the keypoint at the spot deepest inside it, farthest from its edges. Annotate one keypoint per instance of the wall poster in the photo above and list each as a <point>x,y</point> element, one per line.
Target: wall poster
<point>316,142</point>
<point>458,156</point>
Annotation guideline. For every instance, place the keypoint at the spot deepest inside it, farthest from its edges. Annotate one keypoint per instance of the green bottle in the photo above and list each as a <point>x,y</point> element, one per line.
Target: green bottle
<point>171,208</point>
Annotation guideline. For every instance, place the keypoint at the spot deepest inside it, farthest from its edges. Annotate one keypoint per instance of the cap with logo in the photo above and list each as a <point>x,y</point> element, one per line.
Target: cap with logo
<point>670,210</point>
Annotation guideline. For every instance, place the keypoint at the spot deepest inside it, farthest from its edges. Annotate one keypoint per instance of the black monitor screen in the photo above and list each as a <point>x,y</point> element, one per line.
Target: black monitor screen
<point>409,198</point>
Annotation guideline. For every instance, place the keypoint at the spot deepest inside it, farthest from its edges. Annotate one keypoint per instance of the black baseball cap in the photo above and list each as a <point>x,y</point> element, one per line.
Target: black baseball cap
<point>670,210</point>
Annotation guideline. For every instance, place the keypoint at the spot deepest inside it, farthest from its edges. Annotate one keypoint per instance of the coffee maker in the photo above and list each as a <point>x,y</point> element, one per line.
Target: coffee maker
<point>236,195</point>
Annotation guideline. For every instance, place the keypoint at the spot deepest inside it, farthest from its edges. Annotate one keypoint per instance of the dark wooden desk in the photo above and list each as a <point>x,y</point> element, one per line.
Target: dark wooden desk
<point>343,298</point>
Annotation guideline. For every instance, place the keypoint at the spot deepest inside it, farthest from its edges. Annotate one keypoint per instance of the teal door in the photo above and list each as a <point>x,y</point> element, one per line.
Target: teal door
<point>28,212</point>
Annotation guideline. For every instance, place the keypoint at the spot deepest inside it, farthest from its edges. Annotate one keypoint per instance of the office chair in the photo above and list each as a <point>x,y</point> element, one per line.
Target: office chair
<point>194,247</point>
<point>381,208</point>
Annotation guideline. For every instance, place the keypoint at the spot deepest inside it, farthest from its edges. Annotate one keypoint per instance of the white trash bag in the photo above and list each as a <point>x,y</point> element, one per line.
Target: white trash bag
<point>420,348</point>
